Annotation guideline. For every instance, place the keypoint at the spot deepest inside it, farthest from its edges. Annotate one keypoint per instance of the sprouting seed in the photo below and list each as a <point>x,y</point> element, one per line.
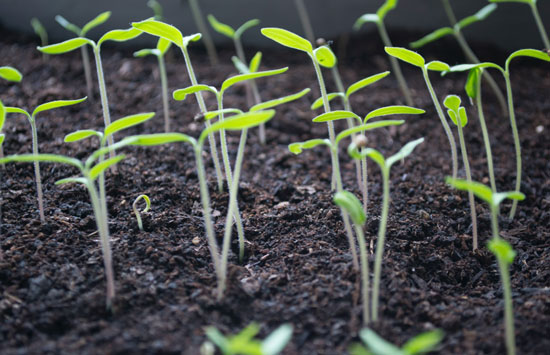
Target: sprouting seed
<point>136,210</point>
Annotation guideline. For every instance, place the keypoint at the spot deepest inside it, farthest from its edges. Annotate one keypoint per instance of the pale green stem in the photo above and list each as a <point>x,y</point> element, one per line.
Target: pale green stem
<point>449,11</point>
<point>202,107</point>
<point>203,29</point>
<point>540,26</point>
<point>361,180</point>
<point>103,94</point>
<point>304,19</point>
<point>486,140</point>
<point>164,86</point>
<point>494,221</point>
<point>395,65</point>
<point>223,143</point>
<point>101,182</point>
<point>508,307</point>
<point>446,127</point>
<point>37,170</point>
<point>469,179</point>
<point>515,134</point>
<point>364,182</point>
<point>364,273</point>
<point>380,242</point>
<point>87,72</point>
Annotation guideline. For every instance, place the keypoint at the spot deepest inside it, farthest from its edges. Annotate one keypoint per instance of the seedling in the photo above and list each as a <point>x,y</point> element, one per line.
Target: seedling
<point>347,201</point>
<point>32,120</point>
<point>456,31</point>
<point>536,15</point>
<point>203,29</point>
<point>418,61</point>
<point>157,9</point>
<point>162,47</point>
<point>385,166</point>
<point>533,53</point>
<point>378,19</point>
<point>501,248</point>
<point>458,115</point>
<point>10,74</point>
<point>420,344</point>
<point>136,210</point>
<point>244,343</point>
<point>81,32</point>
<point>171,33</point>
<point>41,32</point>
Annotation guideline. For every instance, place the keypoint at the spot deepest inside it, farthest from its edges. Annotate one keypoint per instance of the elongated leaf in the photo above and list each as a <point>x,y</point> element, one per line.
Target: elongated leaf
<point>72,180</point>
<point>437,65</point>
<point>325,57</point>
<point>512,195</point>
<point>66,46</point>
<point>191,38</point>
<point>213,114</point>
<point>277,340</point>
<point>453,117</point>
<point>431,37</point>
<point>245,26</point>
<point>377,345</point>
<point>10,109</point>
<point>478,16</point>
<point>67,25</point>
<point>218,338</point>
<point>126,122</point>
<point>104,165</point>
<point>480,190</point>
<point>465,67</point>
<point>387,7</point>
<point>472,82</point>
<point>319,102</point>
<point>242,77</point>
<point>161,138</point>
<point>161,29</point>
<point>366,18</point>
<point>146,52</point>
<point>423,343</point>
<point>350,203</point>
<point>10,74</point>
<point>502,250</point>
<point>520,1</point>
<point>221,28</point>
<point>120,35</point>
<point>403,152</point>
<point>298,147</point>
<point>375,155</point>
<point>533,53</point>
<point>255,62</point>
<point>113,147</point>
<point>56,104</point>
<point>336,115</point>
<point>276,102</point>
<point>406,55</point>
<point>287,39</point>
<point>238,122</point>
<point>98,20</point>
<point>365,82</point>
<point>181,94</point>
<point>393,110</point>
<point>47,158</point>
<point>366,127</point>
<point>81,134</point>
<point>163,45</point>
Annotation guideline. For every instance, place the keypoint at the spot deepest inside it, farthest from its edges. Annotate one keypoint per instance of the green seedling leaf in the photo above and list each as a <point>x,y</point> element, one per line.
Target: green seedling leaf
<point>120,35</point>
<point>437,65</point>
<point>242,77</point>
<point>393,110</point>
<point>2,116</point>
<point>241,67</point>
<point>288,39</point>
<point>325,57</point>
<point>276,102</point>
<point>47,158</point>
<point>56,104</point>
<point>404,152</point>
<point>221,28</point>
<point>218,339</point>
<point>365,82</point>
<point>39,29</point>
<point>368,152</point>
<point>456,113</point>
<point>78,180</point>
<point>104,165</point>
<point>181,94</point>
<point>277,340</point>
<point>365,19</point>
<point>2,138</point>
<point>127,122</point>
<point>452,102</point>
<point>156,7</point>
<point>336,115</point>
<point>239,122</point>
<point>352,206</point>
<point>213,114</point>
<point>431,37</point>
<point>255,62</point>
<point>387,7</point>
<point>481,191</point>
<point>465,67</point>
<point>247,334</point>
<point>191,38</point>
<point>67,25</point>
<point>146,52</point>
<point>366,127</point>
<point>10,74</point>
<point>81,134</point>
<point>163,45</point>
<point>161,138</point>
<point>406,55</point>
<point>66,46</point>
<point>358,349</point>
<point>377,345</point>
<point>533,53</point>
<point>161,29</point>
<point>245,26</point>
<point>10,109</point>
<point>478,16</point>
<point>472,82</point>
<point>512,195</point>
<point>319,102</point>
<point>298,147</point>
<point>423,343</point>
<point>520,1</point>
<point>98,20</point>
<point>502,250</point>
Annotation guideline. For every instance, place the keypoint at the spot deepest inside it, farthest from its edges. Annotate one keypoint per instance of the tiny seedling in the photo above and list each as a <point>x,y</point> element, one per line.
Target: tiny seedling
<point>157,9</point>
<point>34,134</point>
<point>81,32</point>
<point>417,60</point>
<point>536,15</point>
<point>136,210</point>
<point>385,166</point>
<point>501,248</point>
<point>458,115</point>
<point>533,53</point>
<point>41,32</point>
<point>456,31</point>
<point>376,345</point>
<point>378,19</point>
<point>244,343</point>
<point>203,29</point>
<point>162,47</point>
<point>347,201</point>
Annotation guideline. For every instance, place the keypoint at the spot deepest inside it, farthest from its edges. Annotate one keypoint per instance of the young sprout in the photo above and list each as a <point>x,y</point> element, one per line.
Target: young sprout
<point>203,29</point>
<point>157,9</point>
<point>501,248</point>
<point>456,31</point>
<point>41,32</point>
<point>72,44</point>
<point>385,166</point>
<point>244,343</point>
<point>378,19</point>
<point>32,120</point>
<point>420,344</point>
<point>458,115</point>
<point>10,74</point>
<point>533,53</point>
<point>418,61</point>
<point>304,19</point>
<point>171,33</point>
<point>162,47</point>
<point>347,201</point>
<point>81,32</point>
<point>136,210</point>
<point>536,15</point>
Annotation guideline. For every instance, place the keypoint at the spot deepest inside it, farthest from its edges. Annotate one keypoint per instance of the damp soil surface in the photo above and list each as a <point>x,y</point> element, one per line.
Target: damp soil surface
<point>297,267</point>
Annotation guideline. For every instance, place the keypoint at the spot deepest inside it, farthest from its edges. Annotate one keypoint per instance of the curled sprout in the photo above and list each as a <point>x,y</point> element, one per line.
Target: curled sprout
<point>145,210</point>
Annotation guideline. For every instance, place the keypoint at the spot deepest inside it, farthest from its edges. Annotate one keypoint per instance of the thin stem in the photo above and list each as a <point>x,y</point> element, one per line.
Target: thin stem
<point>446,127</point>
<point>203,29</point>
<point>508,307</point>
<point>540,26</point>
<point>515,134</point>
<point>473,215</point>
<point>449,11</point>
<point>361,181</point>
<point>364,273</point>
<point>494,221</point>
<point>380,242</point>
<point>236,175</point>
<point>37,170</point>
<point>304,19</point>
<point>365,186</point>
<point>103,94</point>
<point>223,143</point>
<point>164,86</point>
<point>87,72</point>
<point>395,65</point>
<point>486,140</point>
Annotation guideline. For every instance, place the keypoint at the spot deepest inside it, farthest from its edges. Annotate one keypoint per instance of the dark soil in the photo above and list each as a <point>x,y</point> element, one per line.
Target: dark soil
<point>298,266</point>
